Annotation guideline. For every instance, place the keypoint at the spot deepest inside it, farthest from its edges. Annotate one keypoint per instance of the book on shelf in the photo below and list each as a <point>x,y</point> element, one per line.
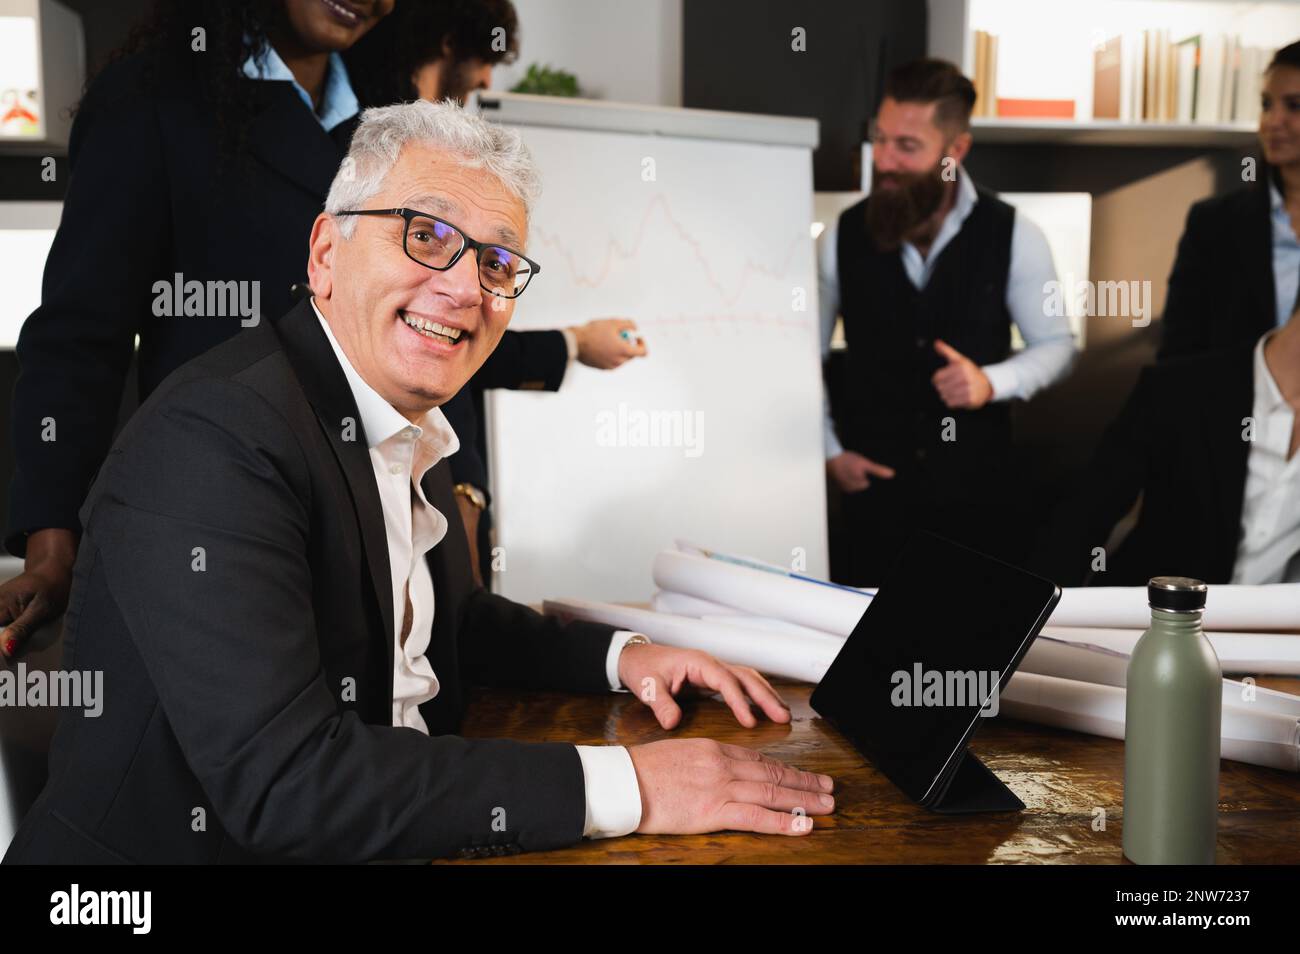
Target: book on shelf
<point>1139,76</point>
<point>1108,80</point>
<point>1187,54</point>
<point>1036,108</point>
<point>986,74</point>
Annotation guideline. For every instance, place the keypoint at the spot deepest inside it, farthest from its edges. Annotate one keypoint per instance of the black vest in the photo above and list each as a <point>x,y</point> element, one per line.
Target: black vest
<point>893,413</point>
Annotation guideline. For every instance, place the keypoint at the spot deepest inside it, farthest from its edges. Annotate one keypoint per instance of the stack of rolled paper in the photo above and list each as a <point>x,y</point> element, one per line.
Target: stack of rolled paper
<point>785,624</point>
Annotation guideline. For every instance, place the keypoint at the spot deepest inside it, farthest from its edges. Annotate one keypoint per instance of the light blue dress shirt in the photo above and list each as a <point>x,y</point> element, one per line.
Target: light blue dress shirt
<point>337,103</point>
<point>1050,349</point>
<point>1286,255</point>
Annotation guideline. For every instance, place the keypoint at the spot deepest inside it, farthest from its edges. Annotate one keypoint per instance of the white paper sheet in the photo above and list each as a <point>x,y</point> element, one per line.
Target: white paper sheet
<point>1270,739</point>
<point>666,601</point>
<point>1049,656</point>
<point>760,593</point>
<point>776,653</point>
<point>1272,608</point>
<point>1247,654</point>
<point>1089,655</point>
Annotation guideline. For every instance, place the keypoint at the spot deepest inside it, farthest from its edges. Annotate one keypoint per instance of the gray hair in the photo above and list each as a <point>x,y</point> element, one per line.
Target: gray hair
<point>384,130</point>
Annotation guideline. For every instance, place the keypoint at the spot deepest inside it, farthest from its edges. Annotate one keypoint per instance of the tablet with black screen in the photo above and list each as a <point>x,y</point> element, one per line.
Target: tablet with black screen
<point>944,631</point>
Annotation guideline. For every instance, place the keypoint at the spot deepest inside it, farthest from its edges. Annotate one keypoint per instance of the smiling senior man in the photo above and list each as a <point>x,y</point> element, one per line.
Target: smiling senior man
<point>274,582</point>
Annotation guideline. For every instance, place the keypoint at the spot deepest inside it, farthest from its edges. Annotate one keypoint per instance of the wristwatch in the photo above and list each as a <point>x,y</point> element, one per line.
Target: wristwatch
<point>472,494</point>
<point>636,639</point>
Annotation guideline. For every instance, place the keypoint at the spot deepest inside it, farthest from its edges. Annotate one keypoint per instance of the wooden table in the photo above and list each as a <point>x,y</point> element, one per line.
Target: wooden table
<point>1063,778</point>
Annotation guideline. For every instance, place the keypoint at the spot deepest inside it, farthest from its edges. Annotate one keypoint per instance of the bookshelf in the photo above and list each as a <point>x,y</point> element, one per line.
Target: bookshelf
<point>1187,77</point>
<point>1106,132</point>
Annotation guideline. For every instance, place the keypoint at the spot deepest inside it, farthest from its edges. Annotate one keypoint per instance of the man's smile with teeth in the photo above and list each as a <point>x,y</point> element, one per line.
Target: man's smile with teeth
<point>431,329</point>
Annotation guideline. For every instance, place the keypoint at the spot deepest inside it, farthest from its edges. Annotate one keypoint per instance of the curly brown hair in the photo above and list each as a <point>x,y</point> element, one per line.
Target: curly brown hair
<point>233,31</point>
<point>381,63</point>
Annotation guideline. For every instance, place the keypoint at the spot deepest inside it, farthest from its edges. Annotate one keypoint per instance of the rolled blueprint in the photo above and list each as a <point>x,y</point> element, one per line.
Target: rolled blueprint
<point>801,657</point>
<point>1271,739</point>
<point>679,604</point>
<point>1250,654</point>
<point>1088,655</point>
<point>760,593</point>
<point>1273,607</point>
<point>1049,656</point>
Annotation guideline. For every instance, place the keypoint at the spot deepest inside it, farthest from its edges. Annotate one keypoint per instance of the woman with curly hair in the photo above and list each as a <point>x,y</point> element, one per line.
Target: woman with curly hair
<point>199,157</point>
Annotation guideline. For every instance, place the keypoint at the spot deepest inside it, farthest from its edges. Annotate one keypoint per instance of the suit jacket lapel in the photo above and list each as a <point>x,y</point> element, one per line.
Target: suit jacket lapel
<point>1255,251</point>
<point>327,389</point>
<point>289,139</point>
<point>1228,400</point>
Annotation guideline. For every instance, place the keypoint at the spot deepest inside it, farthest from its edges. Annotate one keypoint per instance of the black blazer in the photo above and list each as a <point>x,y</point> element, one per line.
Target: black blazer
<point>522,361</point>
<point>1221,289</point>
<point>147,198</point>
<point>233,586</point>
<point>1178,442</point>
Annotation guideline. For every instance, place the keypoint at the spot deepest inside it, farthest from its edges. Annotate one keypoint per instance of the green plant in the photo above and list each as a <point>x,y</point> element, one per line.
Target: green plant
<point>544,81</point>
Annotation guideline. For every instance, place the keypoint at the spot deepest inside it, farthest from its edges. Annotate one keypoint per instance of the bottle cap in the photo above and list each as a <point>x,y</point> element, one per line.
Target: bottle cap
<point>1176,594</point>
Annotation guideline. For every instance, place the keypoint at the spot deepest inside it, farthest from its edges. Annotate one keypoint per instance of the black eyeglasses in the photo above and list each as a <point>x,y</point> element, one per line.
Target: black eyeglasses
<point>436,243</point>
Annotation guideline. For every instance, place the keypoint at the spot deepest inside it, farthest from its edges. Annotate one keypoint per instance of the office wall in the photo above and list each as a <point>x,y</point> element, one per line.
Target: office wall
<point>624,50</point>
<point>747,63</point>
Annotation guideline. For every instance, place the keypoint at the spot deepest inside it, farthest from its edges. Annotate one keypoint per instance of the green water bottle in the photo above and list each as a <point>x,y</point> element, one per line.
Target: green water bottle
<point>1174,696</point>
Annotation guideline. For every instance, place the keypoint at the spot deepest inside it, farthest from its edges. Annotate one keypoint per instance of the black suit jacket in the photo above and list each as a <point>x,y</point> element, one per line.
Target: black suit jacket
<point>1178,443</point>
<point>233,586</point>
<point>522,361</point>
<point>148,198</point>
<point>1221,289</point>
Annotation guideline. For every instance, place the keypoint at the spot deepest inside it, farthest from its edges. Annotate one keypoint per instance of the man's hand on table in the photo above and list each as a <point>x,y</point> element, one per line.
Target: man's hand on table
<point>657,673</point>
<point>691,786</point>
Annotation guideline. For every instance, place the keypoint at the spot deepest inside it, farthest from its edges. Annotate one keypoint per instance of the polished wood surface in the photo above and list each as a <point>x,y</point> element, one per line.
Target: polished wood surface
<point>1064,778</point>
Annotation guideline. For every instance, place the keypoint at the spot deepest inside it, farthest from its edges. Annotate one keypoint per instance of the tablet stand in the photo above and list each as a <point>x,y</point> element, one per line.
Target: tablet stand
<point>975,789</point>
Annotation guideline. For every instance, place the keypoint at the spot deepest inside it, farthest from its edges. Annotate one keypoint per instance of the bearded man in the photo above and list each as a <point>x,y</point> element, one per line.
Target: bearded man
<point>929,273</point>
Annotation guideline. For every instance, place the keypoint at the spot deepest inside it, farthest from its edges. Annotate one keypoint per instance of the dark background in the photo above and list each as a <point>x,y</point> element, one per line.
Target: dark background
<point>745,63</point>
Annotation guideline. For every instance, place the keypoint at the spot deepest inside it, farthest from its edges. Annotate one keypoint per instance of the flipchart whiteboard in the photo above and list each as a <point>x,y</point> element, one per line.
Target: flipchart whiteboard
<point>697,226</point>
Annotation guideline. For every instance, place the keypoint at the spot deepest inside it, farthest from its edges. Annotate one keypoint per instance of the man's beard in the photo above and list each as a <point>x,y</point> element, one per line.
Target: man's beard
<point>458,81</point>
<point>893,214</point>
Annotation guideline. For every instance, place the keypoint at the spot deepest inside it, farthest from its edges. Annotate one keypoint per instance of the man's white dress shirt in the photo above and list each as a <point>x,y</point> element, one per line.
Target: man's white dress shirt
<point>1269,551</point>
<point>402,453</point>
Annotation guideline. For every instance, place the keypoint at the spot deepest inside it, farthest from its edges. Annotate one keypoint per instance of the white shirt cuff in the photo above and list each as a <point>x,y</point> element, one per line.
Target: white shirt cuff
<point>616,644</point>
<point>613,795</point>
<point>1004,380</point>
<point>570,341</point>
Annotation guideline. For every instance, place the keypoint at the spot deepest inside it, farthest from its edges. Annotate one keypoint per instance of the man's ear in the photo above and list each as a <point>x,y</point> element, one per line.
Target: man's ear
<point>320,251</point>
<point>960,148</point>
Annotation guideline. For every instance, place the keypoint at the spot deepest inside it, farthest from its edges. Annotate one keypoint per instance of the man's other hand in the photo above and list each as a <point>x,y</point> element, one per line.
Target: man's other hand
<point>602,344</point>
<point>852,472</point>
<point>961,383</point>
<point>658,673</point>
<point>691,786</point>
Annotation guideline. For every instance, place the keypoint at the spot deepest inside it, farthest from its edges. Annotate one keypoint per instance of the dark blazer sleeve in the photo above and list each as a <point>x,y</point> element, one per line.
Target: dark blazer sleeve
<point>75,349</point>
<point>1189,303</point>
<point>232,649</point>
<point>1102,494</point>
<point>504,643</point>
<point>467,464</point>
<point>526,360</point>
